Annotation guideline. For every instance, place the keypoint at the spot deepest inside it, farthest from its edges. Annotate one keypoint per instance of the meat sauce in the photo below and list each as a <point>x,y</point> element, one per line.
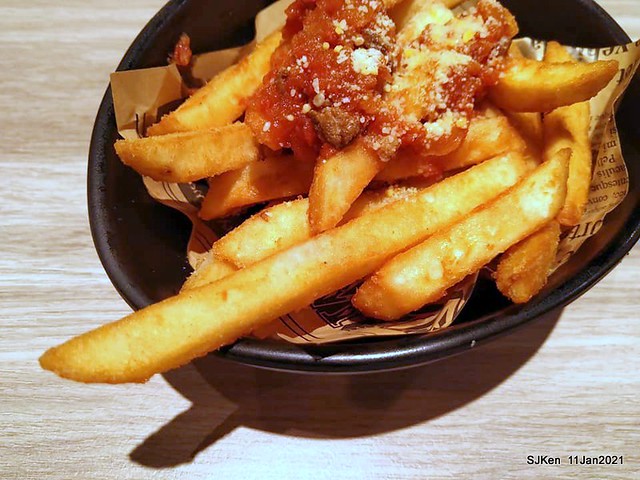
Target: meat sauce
<point>329,78</point>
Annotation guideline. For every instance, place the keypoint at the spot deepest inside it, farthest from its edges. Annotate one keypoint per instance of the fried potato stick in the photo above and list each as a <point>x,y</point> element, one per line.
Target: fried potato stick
<point>173,332</point>
<point>338,181</point>
<point>568,127</point>
<point>529,124</point>
<point>210,270</point>
<point>423,274</point>
<point>486,138</point>
<point>223,99</point>
<point>530,86</point>
<point>189,156</point>
<point>269,179</point>
<point>524,268</point>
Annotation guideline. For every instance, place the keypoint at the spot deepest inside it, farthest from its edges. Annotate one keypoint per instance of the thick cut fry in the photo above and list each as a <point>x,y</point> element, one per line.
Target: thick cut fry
<point>423,274</point>
<point>270,179</point>
<point>189,156</point>
<point>523,269</point>
<point>210,270</point>
<point>568,127</point>
<point>273,229</point>
<point>486,138</point>
<point>408,165</point>
<point>173,332</point>
<point>531,86</point>
<point>338,181</point>
<point>286,224</point>
<point>373,200</point>
<point>223,99</point>
<point>529,124</point>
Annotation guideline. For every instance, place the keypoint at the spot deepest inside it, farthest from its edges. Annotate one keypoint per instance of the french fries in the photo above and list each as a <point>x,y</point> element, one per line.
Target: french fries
<point>189,156</point>
<point>338,181</point>
<point>486,138</point>
<point>223,99</point>
<point>422,274</point>
<point>568,127</point>
<point>402,113</point>
<point>210,270</point>
<point>269,179</point>
<point>523,269</point>
<point>173,332</point>
<point>275,229</point>
<point>531,86</point>
<point>281,226</point>
<point>529,124</point>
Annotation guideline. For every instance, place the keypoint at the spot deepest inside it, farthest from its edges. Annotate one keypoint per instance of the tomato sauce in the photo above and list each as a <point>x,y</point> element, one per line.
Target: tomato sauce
<point>329,77</point>
<point>313,69</point>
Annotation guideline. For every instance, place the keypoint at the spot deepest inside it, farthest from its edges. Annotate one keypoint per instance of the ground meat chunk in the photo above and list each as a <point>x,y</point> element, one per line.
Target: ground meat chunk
<point>378,39</point>
<point>335,126</point>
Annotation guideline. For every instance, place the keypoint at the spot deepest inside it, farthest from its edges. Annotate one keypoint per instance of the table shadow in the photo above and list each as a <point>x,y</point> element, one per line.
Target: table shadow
<point>226,395</point>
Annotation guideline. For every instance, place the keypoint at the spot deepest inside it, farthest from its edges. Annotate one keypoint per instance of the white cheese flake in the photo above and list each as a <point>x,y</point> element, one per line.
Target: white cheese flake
<point>366,60</point>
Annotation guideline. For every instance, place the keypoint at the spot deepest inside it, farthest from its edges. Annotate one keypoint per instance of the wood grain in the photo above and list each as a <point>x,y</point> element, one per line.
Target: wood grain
<point>568,384</point>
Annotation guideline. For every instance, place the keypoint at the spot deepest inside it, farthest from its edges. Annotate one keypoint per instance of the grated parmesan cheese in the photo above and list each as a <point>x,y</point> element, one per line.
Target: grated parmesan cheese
<point>366,60</point>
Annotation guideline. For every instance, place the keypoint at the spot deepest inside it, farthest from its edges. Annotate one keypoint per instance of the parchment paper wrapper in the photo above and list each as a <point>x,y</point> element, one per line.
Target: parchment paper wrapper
<point>140,97</point>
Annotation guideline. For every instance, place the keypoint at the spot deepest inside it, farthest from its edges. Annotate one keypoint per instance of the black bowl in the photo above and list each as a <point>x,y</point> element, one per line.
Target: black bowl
<point>142,244</point>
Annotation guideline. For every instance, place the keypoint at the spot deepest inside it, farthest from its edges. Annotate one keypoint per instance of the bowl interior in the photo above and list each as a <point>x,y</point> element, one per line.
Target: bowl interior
<point>142,243</point>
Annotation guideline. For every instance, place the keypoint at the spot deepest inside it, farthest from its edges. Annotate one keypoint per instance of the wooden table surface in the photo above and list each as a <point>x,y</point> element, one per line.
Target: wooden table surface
<point>566,385</point>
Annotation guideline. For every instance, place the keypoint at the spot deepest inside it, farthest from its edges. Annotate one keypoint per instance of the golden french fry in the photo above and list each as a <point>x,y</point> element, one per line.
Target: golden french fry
<point>223,99</point>
<point>408,165</point>
<point>189,156</point>
<point>524,268</point>
<point>556,53</point>
<point>486,138</point>
<point>529,124</point>
<point>210,270</point>
<point>269,179</point>
<point>568,127</point>
<point>373,200</point>
<point>422,274</point>
<point>338,181</point>
<point>531,86</point>
<point>273,229</point>
<point>281,226</point>
<point>173,332</point>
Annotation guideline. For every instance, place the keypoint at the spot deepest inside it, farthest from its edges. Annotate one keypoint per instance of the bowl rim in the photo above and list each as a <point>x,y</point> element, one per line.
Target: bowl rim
<point>359,357</point>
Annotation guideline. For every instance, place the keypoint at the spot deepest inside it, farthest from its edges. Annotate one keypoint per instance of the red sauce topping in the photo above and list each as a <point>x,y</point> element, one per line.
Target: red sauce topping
<point>313,70</point>
<point>330,79</point>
